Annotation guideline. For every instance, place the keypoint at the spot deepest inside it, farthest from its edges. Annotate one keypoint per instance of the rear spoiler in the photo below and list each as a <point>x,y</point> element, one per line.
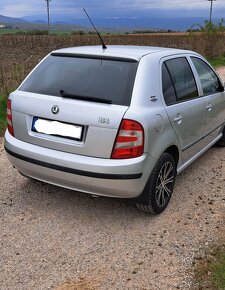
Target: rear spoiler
<point>97,56</point>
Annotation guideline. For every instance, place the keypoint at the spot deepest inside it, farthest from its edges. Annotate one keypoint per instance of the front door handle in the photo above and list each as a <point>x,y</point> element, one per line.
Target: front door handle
<point>178,119</point>
<point>209,107</point>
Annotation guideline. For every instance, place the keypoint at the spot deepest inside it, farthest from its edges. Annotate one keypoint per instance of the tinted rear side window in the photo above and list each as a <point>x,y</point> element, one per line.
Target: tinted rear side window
<point>168,88</point>
<point>183,78</point>
<point>100,78</point>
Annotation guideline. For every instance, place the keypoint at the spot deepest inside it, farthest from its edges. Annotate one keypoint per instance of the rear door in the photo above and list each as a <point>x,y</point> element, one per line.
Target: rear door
<point>185,109</point>
<point>214,97</point>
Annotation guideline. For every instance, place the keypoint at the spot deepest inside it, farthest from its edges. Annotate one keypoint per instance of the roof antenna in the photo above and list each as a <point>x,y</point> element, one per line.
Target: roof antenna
<point>103,44</point>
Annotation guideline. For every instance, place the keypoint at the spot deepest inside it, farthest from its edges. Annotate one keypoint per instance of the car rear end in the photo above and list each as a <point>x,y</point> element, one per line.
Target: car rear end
<point>67,125</point>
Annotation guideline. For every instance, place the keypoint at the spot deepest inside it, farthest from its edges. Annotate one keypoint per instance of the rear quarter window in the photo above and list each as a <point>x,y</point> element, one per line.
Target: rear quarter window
<point>168,88</point>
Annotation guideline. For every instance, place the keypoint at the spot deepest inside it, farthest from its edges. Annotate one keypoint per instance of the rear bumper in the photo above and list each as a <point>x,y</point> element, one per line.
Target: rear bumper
<point>116,178</point>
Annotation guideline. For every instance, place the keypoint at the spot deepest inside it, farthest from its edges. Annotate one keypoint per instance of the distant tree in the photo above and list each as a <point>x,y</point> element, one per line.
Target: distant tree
<point>21,33</point>
<point>209,27</point>
<point>77,32</point>
<point>81,32</point>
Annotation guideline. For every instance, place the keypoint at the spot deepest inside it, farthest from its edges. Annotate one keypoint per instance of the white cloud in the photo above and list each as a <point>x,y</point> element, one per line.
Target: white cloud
<point>19,8</point>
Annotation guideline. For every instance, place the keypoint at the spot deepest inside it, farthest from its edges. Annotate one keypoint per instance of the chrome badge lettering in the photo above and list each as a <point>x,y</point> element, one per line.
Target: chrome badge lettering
<point>102,120</point>
<point>55,109</point>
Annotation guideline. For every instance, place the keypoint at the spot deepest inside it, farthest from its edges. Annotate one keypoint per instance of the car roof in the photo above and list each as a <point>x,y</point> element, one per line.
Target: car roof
<point>119,51</point>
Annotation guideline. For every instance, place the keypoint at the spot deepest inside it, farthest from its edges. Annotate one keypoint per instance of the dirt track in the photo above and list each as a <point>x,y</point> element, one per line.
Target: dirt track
<point>50,236</point>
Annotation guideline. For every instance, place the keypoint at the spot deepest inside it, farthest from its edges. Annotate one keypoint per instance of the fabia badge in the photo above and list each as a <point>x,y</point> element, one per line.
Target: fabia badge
<point>55,110</point>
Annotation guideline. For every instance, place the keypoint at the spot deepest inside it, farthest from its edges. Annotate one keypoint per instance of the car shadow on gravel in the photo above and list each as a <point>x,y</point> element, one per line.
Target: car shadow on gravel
<point>45,197</point>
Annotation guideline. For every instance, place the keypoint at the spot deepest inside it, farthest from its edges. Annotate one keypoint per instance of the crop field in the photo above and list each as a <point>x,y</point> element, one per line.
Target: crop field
<point>20,53</point>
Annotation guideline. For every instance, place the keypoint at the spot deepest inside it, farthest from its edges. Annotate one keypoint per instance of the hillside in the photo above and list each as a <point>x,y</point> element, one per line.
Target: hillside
<point>22,24</point>
<point>11,20</point>
<point>112,24</point>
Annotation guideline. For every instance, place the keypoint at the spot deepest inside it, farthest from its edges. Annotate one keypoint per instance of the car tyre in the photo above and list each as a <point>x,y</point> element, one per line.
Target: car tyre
<point>160,185</point>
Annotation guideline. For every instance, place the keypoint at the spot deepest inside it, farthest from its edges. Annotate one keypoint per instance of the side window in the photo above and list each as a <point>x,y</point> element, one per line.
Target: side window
<point>182,78</point>
<point>209,80</point>
<point>168,88</point>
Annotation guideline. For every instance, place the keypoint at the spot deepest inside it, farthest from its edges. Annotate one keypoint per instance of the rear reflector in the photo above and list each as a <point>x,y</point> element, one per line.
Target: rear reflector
<point>9,117</point>
<point>129,141</point>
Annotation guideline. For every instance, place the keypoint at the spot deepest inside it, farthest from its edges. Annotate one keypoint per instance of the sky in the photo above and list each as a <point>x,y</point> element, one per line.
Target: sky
<point>115,9</point>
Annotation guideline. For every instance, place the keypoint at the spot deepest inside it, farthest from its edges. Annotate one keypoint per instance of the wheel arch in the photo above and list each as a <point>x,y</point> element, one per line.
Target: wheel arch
<point>174,152</point>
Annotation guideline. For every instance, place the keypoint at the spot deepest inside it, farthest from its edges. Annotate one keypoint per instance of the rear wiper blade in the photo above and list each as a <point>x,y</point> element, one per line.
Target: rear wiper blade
<point>84,98</point>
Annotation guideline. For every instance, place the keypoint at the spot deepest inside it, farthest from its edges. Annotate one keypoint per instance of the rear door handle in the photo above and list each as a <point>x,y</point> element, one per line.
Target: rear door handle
<point>178,119</point>
<point>209,107</point>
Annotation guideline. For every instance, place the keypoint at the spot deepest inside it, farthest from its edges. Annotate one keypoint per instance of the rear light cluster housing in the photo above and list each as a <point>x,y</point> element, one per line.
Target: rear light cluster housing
<point>129,142</point>
<point>9,117</point>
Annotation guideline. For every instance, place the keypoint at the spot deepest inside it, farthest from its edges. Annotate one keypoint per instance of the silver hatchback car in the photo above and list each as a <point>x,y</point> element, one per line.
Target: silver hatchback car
<point>119,122</point>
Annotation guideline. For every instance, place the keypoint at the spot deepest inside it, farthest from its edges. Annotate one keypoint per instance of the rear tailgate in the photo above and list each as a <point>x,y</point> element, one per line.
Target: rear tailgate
<point>99,122</point>
<point>92,94</point>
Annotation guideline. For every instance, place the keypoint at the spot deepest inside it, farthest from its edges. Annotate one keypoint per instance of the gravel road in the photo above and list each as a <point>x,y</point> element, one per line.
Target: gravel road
<point>53,238</point>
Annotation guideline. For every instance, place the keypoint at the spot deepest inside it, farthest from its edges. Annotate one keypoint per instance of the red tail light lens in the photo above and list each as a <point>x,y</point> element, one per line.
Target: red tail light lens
<point>129,141</point>
<point>9,117</point>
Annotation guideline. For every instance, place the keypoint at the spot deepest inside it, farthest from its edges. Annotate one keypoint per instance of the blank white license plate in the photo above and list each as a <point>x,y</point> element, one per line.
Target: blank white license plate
<point>56,128</point>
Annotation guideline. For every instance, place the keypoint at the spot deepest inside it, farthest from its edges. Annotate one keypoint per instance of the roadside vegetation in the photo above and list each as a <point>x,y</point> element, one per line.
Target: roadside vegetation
<point>210,269</point>
<point>57,31</point>
<point>217,62</point>
<point>209,27</point>
<point>8,31</point>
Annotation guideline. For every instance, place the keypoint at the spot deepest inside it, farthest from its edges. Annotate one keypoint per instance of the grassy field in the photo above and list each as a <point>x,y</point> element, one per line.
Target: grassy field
<point>9,31</point>
<point>210,271</point>
<point>217,62</point>
<point>20,31</point>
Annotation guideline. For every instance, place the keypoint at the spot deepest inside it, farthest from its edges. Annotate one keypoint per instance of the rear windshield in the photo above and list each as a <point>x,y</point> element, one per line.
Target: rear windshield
<point>77,76</point>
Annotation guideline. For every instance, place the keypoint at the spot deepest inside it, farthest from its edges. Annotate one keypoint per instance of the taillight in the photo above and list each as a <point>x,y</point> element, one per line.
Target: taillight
<point>129,141</point>
<point>9,117</point>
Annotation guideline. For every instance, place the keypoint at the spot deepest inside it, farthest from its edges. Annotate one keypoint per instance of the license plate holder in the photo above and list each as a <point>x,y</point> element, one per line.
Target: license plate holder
<point>57,128</point>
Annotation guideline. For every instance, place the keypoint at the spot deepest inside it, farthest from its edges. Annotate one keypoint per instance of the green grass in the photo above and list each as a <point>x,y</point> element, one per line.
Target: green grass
<point>218,271</point>
<point>217,62</point>
<point>3,123</point>
<point>210,270</point>
<point>10,31</point>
